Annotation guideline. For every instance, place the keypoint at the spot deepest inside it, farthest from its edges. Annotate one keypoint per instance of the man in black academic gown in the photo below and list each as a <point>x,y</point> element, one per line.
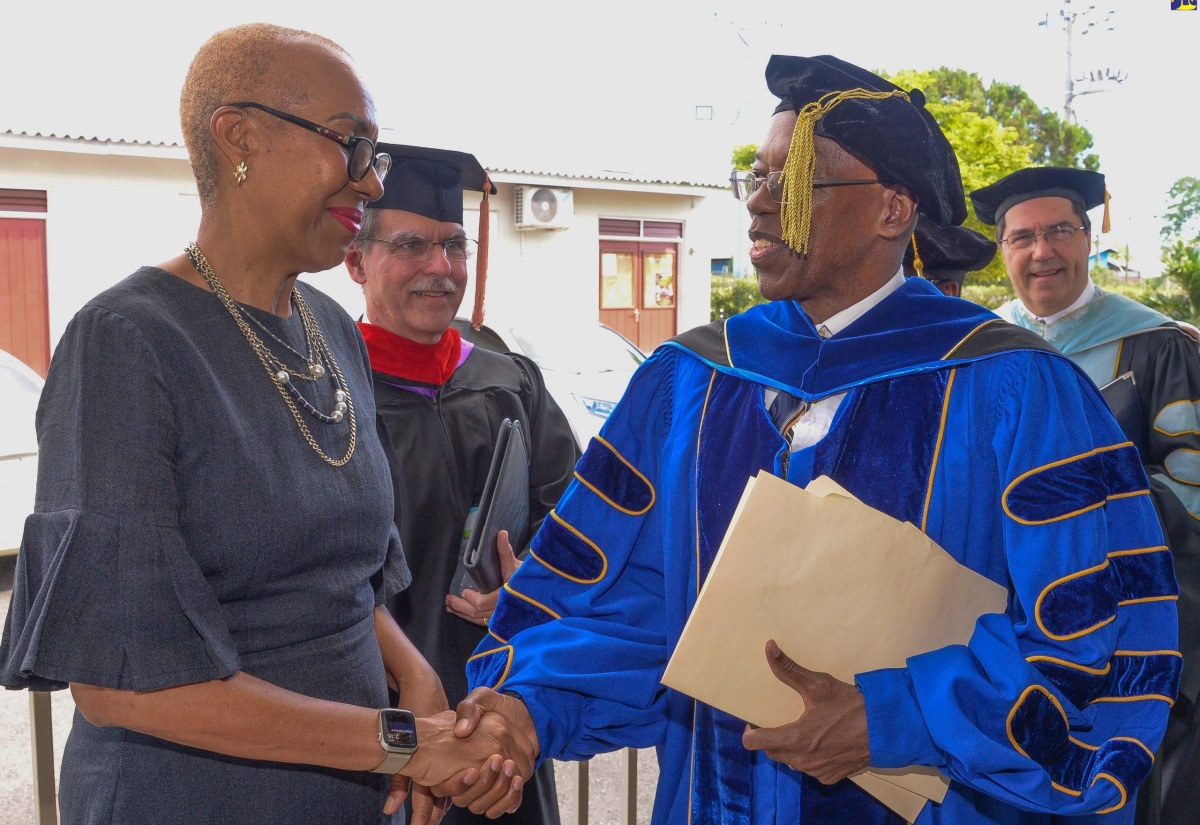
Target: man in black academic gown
<point>440,406</point>
<point>1042,225</point>
<point>945,256</point>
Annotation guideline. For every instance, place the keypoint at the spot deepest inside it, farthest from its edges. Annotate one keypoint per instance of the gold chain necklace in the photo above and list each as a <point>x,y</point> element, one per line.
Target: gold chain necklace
<point>277,370</point>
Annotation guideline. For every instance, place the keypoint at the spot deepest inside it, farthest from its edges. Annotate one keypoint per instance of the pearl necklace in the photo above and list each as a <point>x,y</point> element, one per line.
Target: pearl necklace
<point>318,359</point>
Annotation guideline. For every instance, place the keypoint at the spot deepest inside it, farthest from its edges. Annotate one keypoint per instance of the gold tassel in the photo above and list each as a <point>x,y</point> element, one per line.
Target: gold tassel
<point>800,164</point>
<point>481,262</point>
<point>918,264</point>
<point>1106,224</point>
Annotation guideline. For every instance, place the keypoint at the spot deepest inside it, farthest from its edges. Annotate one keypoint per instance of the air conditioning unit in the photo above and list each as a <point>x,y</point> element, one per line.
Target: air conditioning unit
<point>540,207</point>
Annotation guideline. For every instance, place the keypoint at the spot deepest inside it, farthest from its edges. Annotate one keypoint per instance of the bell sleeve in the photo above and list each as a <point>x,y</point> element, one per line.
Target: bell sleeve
<point>106,591</point>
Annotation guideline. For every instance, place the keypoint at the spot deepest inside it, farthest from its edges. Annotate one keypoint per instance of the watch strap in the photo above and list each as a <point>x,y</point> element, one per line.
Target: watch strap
<point>393,762</point>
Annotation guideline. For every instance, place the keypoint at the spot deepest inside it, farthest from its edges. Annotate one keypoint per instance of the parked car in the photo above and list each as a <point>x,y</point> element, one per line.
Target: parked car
<point>586,367</point>
<point>20,387</point>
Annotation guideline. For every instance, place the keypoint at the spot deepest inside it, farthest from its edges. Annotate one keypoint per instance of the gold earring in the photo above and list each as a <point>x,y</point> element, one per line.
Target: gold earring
<point>239,174</point>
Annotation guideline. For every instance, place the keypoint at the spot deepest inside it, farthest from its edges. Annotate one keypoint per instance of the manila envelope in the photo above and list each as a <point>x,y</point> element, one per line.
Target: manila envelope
<point>841,587</point>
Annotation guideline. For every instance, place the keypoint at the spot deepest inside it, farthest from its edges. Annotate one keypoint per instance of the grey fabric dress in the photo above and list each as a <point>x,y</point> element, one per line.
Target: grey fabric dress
<point>184,530</point>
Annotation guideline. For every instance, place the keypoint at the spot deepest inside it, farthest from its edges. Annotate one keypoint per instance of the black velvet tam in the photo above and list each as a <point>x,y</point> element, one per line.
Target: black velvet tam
<point>948,254</point>
<point>898,137</point>
<point>430,182</point>
<point>1079,185</point>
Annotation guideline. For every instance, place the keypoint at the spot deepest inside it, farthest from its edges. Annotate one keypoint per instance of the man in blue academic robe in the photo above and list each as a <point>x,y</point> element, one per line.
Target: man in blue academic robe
<point>931,410</point>
<point>1041,217</point>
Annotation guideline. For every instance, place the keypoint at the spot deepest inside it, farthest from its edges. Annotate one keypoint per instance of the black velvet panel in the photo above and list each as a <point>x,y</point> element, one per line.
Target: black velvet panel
<point>491,667</point>
<point>1128,676</point>
<point>889,468</point>
<point>721,765</point>
<point>842,802</point>
<point>514,614</point>
<point>614,480</point>
<point>1038,728</point>
<point>565,552</point>
<point>1078,484</point>
<point>1073,606</point>
<point>732,422</point>
<point>1143,576</point>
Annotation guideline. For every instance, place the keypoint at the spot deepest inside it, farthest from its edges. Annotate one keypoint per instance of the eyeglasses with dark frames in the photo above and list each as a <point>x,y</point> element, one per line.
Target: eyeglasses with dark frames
<point>745,184</point>
<point>1022,240</point>
<point>360,151</point>
<point>419,249</point>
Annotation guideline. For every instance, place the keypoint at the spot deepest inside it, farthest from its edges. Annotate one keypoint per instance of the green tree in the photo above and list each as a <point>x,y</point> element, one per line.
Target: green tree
<point>995,130</point>
<point>731,295</point>
<point>1181,243</point>
<point>743,156</point>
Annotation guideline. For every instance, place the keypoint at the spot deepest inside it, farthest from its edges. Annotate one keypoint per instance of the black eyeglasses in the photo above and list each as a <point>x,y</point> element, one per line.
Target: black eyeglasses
<point>745,184</point>
<point>1026,240</point>
<point>360,151</point>
<point>419,249</point>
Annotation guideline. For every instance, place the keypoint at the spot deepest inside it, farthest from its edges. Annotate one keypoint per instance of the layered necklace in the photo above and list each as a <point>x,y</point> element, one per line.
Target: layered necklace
<point>317,357</point>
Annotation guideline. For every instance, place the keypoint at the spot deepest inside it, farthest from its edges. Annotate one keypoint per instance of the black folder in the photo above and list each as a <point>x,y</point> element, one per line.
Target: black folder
<point>1121,395</point>
<point>503,505</point>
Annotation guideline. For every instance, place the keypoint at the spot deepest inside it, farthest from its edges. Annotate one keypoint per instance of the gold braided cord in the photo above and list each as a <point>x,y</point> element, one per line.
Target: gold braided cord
<point>272,364</point>
<point>918,264</point>
<point>801,162</point>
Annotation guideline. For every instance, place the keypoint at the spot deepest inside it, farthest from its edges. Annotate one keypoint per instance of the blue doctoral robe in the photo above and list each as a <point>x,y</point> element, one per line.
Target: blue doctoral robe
<point>1008,458</point>
<point>1108,336</point>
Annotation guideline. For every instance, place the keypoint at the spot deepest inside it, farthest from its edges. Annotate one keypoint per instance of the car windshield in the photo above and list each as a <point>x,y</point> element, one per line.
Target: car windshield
<point>579,350</point>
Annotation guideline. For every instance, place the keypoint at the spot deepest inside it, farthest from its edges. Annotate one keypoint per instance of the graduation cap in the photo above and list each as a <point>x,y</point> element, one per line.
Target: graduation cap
<point>877,121</point>
<point>431,182</point>
<point>1085,189</point>
<point>949,253</point>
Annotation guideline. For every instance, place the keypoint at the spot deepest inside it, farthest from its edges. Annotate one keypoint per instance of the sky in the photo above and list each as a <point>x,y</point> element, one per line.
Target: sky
<point>620,83</point>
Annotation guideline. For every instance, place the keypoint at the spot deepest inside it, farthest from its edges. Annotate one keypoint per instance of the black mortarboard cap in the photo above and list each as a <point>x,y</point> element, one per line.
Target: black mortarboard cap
<point>875,120</point>
<point>431,182</point>
<point>1085,188</point>
<point>948,253</point>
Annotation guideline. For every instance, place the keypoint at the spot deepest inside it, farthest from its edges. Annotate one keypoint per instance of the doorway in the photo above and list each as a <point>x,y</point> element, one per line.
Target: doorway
<point>639,290</point>
<point>24,311</point>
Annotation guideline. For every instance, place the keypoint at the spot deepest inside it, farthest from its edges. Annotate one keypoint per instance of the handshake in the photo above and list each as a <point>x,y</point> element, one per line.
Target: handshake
<point>478,758</point>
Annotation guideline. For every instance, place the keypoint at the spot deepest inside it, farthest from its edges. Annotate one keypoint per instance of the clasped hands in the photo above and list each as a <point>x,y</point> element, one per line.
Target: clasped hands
<point>478,759</point>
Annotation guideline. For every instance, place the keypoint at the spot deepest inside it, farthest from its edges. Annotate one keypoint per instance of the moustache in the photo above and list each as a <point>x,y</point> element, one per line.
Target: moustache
<point>441,284</point>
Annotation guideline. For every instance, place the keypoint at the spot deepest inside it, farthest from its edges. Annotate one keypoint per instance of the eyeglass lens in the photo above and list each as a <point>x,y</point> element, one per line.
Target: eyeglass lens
<point>1025,240</point>
<point>363,157</point>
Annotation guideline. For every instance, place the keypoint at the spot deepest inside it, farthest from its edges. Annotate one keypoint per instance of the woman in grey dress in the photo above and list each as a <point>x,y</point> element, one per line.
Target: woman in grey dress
<point>213,534</point>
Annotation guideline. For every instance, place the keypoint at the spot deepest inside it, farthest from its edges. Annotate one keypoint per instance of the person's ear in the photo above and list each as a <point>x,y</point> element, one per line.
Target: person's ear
<point>899,213</point>
<point>234,136</point>
<point>354,265</point>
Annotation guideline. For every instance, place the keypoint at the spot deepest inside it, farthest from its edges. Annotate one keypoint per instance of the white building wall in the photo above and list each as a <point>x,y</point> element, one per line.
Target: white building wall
<point>113,209</point>
<point>106,215</point>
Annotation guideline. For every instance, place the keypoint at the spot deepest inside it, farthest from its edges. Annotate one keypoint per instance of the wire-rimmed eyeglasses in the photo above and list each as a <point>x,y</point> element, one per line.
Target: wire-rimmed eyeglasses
<point>419,249</point>
<point>745,184</point>
<point>1024,239</point>
<point>360,151</point>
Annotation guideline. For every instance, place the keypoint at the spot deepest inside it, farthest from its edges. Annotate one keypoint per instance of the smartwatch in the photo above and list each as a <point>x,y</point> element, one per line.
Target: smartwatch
<point>398,738</point>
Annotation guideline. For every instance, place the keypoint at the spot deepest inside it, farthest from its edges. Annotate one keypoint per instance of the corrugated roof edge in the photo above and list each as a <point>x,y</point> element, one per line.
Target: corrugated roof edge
<point>166,144</point>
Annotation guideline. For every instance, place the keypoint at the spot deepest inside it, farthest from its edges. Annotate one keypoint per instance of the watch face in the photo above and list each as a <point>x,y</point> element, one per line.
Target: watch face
<point>398,729</point>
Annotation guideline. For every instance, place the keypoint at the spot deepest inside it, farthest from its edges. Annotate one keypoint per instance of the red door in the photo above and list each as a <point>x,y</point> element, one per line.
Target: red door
<point>639,290</point>
<point>24,315</point>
